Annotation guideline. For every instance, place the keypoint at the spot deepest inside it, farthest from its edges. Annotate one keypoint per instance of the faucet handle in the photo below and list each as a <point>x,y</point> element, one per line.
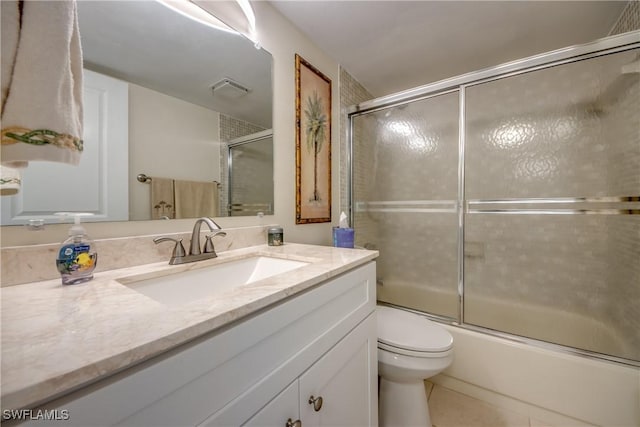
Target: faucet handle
<point>208,244</point>
<point>178,250</point>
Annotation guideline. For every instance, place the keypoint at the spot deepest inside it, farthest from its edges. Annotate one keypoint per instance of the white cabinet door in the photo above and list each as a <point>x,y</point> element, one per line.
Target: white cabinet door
<point>324,321</point>
<point>345,378</point>
<point>282,408</point>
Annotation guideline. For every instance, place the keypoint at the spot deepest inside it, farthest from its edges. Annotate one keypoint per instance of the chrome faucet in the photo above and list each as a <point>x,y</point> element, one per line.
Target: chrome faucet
<point>194,247</point>
<point>179,255</point>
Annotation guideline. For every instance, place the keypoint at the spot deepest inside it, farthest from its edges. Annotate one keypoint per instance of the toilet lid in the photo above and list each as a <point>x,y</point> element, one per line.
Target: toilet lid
<point>407,330</point>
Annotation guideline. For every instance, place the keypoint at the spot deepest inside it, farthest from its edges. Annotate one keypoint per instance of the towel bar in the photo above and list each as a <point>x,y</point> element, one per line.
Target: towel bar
<point>145,178</point>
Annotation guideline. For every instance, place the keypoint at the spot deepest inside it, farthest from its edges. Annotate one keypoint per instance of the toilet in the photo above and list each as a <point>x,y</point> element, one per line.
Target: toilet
<point>411,348</point>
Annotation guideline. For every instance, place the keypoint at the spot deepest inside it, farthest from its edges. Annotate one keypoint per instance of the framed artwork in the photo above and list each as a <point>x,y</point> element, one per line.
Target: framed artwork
<point>313,144</point>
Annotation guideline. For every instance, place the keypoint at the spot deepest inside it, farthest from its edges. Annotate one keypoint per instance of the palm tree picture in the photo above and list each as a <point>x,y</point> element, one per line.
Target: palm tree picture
<point>313,144</point>
<point>315,133</point>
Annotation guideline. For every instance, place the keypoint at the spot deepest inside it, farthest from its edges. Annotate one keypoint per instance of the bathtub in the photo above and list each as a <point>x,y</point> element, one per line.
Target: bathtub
<point>548,384</point>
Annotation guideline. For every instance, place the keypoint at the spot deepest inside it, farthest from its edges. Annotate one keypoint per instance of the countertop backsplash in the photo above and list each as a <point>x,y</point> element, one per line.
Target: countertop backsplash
<point>25,264</point>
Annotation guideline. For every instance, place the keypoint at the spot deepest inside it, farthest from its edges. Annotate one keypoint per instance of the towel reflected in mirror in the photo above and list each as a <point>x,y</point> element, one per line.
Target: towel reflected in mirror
<point>195,199</point>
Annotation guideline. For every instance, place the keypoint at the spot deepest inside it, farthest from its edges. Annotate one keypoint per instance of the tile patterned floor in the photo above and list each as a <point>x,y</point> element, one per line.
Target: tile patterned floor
<point>452,409</point>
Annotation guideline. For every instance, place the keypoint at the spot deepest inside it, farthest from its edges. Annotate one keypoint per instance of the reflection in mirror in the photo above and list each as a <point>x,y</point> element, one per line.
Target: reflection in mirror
<point>250,175</point>
<point>151,108</point>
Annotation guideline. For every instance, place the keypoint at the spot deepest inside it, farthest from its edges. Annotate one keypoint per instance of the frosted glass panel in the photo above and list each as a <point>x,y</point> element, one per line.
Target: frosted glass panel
<point>408,152</point>
<point>418,263</point>
<point>405,169</point>
<point>570,130</point>
<point>567,279</point>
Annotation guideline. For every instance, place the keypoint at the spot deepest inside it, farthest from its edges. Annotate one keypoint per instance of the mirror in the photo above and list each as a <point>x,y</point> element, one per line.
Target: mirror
<point>184,91</point>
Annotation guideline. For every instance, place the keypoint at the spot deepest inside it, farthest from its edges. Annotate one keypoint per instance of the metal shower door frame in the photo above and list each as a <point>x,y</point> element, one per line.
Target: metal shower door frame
<point>604,46</point>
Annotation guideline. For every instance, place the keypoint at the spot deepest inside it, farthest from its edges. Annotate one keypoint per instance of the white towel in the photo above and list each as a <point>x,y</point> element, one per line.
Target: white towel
<point>42,112</point>
<point>10,180</point>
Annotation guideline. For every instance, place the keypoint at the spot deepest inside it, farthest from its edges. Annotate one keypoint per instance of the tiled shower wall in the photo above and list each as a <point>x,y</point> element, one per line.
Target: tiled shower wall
<point>230,128</point>
<point>629,19</point>
<point>352,93</point>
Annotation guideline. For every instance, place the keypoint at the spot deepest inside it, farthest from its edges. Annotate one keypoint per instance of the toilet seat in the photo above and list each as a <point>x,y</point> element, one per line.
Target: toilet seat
<point>412,353</point>
<point>407,333</point>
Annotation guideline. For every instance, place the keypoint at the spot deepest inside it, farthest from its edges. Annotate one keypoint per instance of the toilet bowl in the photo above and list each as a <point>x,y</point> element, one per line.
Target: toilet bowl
<point>411,349</point>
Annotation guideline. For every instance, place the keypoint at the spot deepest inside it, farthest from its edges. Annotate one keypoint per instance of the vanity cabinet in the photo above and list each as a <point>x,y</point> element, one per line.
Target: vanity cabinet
<point>260,370</point>
<point>334,391</point>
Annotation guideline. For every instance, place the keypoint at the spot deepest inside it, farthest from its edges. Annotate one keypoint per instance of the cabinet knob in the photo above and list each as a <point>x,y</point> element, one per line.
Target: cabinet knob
<point>316,402</point>
<point>291,423</point>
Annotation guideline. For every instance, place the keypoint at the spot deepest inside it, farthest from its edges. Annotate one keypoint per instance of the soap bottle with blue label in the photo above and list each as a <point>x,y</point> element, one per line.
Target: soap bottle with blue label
<point>77,257</point>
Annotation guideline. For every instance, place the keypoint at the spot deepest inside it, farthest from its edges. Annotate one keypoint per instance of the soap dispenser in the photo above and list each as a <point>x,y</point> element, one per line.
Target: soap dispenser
<point>77,256</point>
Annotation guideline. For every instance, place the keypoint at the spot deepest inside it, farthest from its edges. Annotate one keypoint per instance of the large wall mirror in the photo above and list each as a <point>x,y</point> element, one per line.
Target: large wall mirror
<point>165,98</point>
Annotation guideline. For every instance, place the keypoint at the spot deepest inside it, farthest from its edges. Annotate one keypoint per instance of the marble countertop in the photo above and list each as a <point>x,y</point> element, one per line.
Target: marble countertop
<point>57,338</point>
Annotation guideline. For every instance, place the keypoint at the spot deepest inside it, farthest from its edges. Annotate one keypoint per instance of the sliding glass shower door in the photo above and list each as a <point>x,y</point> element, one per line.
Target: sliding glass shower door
<point>552,166</point>
<point>405,191</point>
<point>508,200</point>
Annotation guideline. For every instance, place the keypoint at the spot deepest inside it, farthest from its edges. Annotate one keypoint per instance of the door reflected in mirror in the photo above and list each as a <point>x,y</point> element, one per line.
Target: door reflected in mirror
<point>150,108</point>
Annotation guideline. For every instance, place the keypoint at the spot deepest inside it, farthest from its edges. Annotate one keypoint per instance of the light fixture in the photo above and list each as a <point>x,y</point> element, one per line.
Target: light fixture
<point>251,19</point>
<point>236,14</point>
<point>196,13</point>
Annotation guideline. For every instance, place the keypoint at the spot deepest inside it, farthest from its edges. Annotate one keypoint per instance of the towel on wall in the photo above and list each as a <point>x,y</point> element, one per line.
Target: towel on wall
<point>162,204</point>
<point>196,199</point>
<point>41,82</point>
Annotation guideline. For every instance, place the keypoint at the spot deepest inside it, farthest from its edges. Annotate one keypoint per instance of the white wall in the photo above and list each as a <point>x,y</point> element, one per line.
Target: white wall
<point>278,36</point>
<point>161,129</point>
<point>283,40</point>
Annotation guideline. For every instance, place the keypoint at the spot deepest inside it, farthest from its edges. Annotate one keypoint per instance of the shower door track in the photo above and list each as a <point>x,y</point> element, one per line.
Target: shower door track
<point>622,205</point>
<point>546,345</point>
<point>607,45</point>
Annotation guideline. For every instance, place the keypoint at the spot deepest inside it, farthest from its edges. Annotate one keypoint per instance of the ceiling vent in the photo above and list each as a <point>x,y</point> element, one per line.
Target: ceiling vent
<point>229,88</point>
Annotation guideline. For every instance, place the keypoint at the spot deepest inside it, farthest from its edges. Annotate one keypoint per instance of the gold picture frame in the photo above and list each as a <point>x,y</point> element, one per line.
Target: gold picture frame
<point>313,144</point>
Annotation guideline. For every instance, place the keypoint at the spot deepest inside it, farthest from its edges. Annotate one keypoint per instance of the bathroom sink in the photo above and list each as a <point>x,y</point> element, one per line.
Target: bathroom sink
<point>187,286</point>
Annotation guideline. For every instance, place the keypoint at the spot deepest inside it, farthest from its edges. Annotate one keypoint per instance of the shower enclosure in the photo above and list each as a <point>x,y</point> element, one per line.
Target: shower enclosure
<point>250,175</point>
<point>507,201</point>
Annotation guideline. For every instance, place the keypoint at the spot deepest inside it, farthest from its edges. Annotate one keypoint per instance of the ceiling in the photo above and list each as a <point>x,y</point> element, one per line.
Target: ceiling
<point>387,46</point>
<point>390,46</point>
<point>148,44</point>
